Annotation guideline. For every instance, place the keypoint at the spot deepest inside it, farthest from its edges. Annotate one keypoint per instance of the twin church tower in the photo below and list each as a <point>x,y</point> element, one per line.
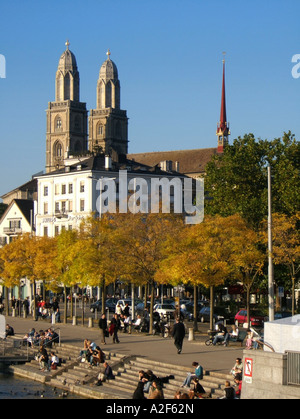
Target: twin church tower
<point>70,131</point>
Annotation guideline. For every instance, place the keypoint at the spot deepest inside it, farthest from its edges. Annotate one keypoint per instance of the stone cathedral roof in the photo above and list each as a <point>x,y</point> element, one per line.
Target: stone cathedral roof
<point>108,70</point>
<point>67,60</point>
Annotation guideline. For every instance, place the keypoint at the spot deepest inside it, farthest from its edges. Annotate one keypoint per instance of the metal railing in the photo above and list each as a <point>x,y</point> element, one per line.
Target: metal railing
<point>9,346</point>
<point>18,341</point>
<point>293,368</point>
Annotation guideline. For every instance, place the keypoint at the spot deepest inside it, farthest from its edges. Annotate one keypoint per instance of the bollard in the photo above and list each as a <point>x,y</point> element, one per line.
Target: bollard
<point>24,314</point>
<point>13,314</point>
<point>53,318</point>
<point>90,322</point>
<point>74,323</point>
<point>191,334</point>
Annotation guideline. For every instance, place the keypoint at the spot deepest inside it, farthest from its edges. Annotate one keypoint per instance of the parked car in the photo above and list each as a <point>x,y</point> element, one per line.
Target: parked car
<point>188,311</point>
<point>218,314</point>
<point>110,305</point>
<point>256,318</point>
<point>164,310</point>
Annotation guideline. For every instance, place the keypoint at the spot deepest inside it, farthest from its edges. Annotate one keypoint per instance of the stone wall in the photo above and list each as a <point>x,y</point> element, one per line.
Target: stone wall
<point>269,377</point>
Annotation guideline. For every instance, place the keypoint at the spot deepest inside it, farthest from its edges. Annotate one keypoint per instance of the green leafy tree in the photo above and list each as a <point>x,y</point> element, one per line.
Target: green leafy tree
<point>236,181</point>
<point>284,158</point>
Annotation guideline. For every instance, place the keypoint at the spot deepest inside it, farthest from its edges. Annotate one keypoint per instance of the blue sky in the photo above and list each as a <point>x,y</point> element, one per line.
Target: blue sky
<point>169,58</point>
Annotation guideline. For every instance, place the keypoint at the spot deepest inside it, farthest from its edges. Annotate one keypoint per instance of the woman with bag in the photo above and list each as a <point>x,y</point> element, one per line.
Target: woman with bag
<point>115,326</point>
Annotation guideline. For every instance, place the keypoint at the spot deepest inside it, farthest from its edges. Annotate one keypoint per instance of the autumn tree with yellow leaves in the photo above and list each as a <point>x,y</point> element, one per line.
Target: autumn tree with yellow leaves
<point>286,246</point>
<point>93,254</point>
<point>209,253</point>
<point>28,257</point>
<point>139,243</point>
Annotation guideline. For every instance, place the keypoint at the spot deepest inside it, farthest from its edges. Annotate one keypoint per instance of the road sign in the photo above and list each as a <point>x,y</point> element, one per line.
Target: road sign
<point>248,370</point>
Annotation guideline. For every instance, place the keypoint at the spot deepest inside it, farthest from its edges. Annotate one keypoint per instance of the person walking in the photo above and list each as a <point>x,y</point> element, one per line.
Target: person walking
<point>26,305</point>
<point>178,334</point>
<point>115,324</point>
<point>103,328</point>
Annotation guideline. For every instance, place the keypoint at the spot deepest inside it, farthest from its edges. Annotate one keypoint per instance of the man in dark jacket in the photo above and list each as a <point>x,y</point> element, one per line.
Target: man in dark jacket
<point>178,334</point>
<point>103,327</point>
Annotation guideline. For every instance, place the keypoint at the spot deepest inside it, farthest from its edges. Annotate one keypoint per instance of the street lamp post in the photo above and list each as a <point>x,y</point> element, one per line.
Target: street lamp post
<point>270,250</point>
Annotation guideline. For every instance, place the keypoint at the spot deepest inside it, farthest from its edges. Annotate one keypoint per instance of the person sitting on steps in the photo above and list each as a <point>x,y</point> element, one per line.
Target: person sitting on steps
<point>106,375</point>
<point>198,373</point>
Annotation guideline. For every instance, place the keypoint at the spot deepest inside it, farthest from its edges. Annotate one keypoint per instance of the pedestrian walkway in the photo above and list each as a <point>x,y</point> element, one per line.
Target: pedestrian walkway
<point>212,358</point>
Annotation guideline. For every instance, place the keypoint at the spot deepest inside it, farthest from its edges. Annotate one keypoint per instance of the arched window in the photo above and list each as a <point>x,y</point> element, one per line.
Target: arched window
<point>58,150</point>
<point>67,90</point>
<point>100,130</point>
<point>108,95</point>
<point>58,124</point>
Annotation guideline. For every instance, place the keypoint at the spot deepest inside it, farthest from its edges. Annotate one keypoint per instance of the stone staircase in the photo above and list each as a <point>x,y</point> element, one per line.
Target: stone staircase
<point>74,376</point>
<point>213,383</point>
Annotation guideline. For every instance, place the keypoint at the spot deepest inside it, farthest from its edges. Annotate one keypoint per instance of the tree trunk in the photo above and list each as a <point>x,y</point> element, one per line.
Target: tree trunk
<point>195,314</point>
<point>72,305</point>
<point>7,301</point>
<point>65,305</point>
<point>34,308</point>
<point>248,306</point>
<point>103,294</point>
<point>145,296</point>
<point>151,307</point>
<point>293,295</point>
<point>132,302</point>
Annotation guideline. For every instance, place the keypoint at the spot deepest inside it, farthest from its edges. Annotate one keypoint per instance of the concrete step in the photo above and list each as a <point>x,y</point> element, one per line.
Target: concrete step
<point>162,365</point>
<point>158,370</point>
<point>71,375</point>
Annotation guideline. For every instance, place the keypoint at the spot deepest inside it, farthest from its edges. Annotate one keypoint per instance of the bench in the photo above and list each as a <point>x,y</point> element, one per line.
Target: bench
<point>241,337</point>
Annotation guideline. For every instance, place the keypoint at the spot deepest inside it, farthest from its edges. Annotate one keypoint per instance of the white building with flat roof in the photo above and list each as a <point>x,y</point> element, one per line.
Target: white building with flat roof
<point>96,185</point>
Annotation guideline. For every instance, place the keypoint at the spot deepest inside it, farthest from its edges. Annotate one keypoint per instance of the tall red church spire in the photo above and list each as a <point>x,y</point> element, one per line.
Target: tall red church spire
<point>223,126</point>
